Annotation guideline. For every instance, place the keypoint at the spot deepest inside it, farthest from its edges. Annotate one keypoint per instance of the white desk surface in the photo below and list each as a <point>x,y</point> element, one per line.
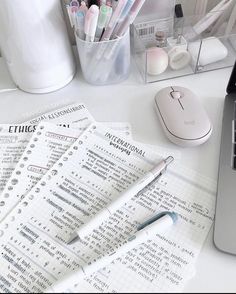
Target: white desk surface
<point>133,101</point>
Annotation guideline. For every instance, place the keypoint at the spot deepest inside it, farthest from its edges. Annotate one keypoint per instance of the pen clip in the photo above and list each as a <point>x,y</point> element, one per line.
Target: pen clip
<point>150,221</point>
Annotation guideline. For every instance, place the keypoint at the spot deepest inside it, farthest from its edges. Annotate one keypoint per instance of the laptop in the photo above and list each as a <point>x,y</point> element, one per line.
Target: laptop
<point>225,219</point>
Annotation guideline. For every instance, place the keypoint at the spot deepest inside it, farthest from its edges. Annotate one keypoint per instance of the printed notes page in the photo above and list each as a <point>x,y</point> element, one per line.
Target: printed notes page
<point>95,170</point>
<point>40,154</point>
<point>46,146</point>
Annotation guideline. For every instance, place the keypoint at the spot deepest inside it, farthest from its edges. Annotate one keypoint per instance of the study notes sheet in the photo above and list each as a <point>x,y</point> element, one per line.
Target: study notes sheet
<point>94,170</point>
<point>14,138</point>
<point>39,156</point>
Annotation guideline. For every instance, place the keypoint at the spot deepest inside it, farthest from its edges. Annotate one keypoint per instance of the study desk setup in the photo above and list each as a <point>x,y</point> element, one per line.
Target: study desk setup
<point>109,184</point>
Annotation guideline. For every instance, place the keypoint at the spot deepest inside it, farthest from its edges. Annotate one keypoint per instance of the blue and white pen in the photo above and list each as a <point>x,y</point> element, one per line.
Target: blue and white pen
<point>146,231</point>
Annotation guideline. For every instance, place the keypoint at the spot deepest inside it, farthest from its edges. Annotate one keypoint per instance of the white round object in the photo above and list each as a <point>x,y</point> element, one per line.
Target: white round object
<point>157,60</point>
<point>178,58</point>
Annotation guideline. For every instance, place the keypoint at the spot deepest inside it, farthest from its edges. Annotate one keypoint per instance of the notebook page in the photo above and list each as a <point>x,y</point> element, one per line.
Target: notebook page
<point>40,155</point>
<point>15,137</point>
<point>95,169</point>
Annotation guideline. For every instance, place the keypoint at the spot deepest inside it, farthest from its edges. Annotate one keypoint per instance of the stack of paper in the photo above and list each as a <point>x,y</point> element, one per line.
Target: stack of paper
<point>59,177</point>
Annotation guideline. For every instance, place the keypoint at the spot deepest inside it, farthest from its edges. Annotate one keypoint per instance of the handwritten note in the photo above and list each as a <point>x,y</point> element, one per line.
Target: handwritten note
<point>95,170</point>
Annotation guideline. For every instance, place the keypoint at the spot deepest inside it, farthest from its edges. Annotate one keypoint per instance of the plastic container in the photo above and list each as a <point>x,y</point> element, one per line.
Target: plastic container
<point>106,62</point>
<point>191,53</point>
<point>35,44</point>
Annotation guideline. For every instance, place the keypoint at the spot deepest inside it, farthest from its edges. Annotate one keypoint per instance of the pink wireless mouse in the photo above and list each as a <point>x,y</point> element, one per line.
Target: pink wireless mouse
<point>182,116</point>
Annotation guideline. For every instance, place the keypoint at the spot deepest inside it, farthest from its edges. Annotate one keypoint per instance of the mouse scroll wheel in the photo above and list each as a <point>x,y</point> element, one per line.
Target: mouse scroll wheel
<point>176,95</point>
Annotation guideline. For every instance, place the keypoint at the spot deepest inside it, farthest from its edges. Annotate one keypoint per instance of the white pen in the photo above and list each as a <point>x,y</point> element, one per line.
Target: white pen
<point>137,187</point>
<point>146,231</point>
<point>90,23</point>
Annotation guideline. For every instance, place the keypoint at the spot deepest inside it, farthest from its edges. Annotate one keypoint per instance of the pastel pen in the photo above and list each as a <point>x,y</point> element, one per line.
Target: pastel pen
<point>74,6</point>
<point>72,12</point>
<point>113,21</point>
<point>69,15</point>
<point>74,3</point>
<point>138,187</point>
<point>90,23</point>
<point>156,225</point>
<point>114,3</point>
<point>83,7</point>
<point>130,18</point>
<point>80,19</point>
<point>124,14</point>
<point>109,3</point>
<point>103,19</point>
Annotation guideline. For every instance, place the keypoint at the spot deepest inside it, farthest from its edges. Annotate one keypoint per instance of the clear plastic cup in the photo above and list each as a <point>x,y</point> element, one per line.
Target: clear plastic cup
<point>106,62</point>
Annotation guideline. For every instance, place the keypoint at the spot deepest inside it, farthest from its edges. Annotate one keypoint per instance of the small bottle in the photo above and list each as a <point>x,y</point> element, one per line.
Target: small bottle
<point>161,39</point>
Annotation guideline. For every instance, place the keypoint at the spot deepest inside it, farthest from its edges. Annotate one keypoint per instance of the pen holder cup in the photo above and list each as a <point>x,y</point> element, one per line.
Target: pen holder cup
<point>105,62</point>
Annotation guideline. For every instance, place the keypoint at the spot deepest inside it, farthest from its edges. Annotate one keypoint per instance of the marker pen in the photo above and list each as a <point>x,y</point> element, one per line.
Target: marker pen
<point>103,19</point>
<point>146,231</point>
<point>90,23</point>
